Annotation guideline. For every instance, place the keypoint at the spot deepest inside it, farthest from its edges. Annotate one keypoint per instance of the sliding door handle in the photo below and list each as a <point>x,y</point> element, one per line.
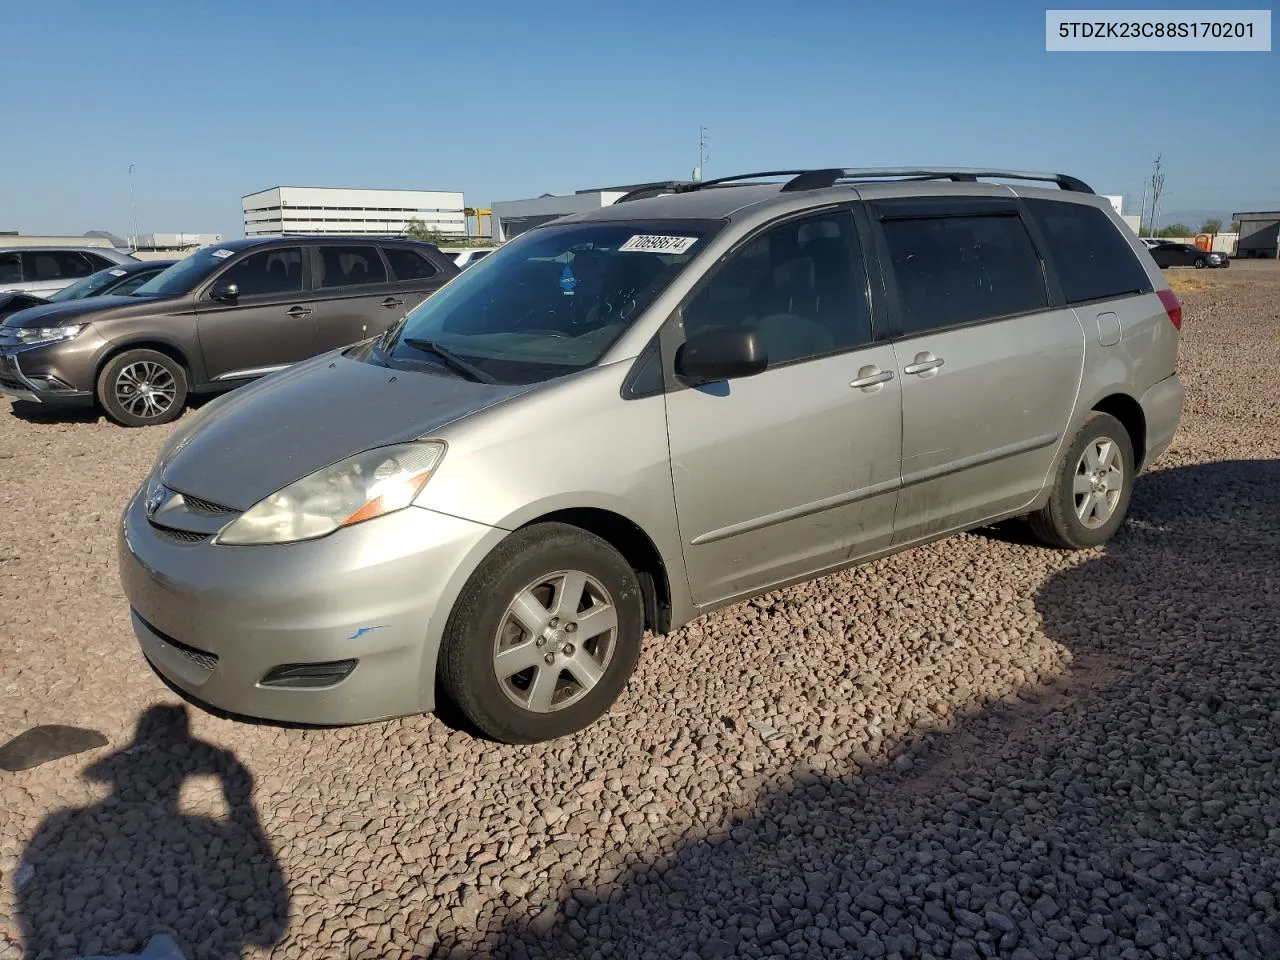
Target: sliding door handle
<point>923,363</point>
<point>871,377</point>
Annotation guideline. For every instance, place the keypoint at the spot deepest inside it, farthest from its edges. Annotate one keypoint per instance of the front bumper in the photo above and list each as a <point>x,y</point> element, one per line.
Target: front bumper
<point>215,620</point>
<point>40,373</point>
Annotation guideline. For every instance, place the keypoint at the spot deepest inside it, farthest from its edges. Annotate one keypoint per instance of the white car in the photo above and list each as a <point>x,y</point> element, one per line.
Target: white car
<point>46,270</point>
<point>465,258</point>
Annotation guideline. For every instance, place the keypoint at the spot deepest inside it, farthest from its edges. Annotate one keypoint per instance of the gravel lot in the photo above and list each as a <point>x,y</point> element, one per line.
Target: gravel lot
<point>980,748</point>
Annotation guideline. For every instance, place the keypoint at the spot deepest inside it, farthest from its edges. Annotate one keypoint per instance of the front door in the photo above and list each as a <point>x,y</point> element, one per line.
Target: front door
<point>794,470</point>
<point>269,325</point>
<point>989,372</point>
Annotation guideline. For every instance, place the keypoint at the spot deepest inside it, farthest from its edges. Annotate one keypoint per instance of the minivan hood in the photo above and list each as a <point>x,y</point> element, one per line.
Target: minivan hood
<point>268,434</point>
<point>88,310</point>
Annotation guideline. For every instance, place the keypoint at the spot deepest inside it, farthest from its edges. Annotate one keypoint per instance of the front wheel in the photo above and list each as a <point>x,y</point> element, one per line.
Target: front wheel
<point>141,388</point>
<point>545,635</point>
<point>1092,487</point>
<point>1199,264</point>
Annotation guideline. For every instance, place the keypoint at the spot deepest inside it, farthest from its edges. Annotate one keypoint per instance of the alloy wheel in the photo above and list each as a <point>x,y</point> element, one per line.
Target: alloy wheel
<point>145,389</point>
<point>555,641</point>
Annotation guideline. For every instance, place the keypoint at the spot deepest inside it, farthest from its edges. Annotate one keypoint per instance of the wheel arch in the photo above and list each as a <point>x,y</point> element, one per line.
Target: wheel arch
<point>170,349</point>
<point>636,547</point>
<point>1131,416</point>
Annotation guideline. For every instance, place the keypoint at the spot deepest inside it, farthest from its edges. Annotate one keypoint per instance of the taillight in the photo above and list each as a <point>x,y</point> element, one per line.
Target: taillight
<point>1172,306</point>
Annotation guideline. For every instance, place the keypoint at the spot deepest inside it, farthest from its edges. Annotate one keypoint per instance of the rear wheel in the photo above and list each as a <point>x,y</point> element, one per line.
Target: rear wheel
<point>141,388</point>
<point>545,635</point>
<point>1092,488</point>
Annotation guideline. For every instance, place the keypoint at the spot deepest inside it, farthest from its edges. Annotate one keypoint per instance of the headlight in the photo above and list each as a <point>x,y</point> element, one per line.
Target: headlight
<point>368,485</point>
<point>48,334</point>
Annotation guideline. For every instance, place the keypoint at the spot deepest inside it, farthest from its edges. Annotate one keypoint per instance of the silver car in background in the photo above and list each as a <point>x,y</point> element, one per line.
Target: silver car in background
<point>627,418</point>
<point>46,270</point>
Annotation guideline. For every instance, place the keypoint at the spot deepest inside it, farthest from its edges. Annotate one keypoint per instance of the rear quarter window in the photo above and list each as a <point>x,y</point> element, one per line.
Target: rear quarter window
<point>409,264</point>
<point>1092,258</point>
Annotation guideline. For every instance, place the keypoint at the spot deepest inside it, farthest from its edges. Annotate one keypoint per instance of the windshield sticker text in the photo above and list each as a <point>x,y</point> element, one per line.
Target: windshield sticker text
<point>222,254</point>
<point>117,272</point>
<point>651,243</point>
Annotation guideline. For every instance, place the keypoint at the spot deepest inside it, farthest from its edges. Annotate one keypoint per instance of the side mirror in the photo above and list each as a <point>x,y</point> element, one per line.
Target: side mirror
<point>225,292</point>
<point>720,355</point>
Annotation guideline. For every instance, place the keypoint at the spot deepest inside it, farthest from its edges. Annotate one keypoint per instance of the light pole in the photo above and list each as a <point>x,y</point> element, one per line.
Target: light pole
<point>133,206</point>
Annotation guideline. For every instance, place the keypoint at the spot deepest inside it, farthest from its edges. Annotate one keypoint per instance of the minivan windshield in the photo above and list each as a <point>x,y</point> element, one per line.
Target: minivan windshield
<point>552,300</point>
<point>185,275</point>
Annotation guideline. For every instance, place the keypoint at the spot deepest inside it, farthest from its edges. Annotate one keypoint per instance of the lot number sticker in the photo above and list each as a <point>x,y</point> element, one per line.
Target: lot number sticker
<point>116,272</point>
<point>651,243</point>
<point>222,254</point>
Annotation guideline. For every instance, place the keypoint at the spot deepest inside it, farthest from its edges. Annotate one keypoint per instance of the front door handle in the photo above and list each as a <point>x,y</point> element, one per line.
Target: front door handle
<point>871,376</point>
<point>391,302</point>
<point>299,312</point>
<point>924,362</point>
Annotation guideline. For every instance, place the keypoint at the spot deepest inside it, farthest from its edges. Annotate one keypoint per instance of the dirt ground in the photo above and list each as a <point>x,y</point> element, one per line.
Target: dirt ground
<point>979,748</point>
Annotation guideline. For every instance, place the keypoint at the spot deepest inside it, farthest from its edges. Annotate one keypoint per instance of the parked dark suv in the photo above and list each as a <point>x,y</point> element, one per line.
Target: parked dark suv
<point>223,316</point>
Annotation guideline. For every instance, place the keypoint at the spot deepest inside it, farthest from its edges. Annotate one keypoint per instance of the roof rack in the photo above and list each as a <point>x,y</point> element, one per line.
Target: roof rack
<point>828,177</point>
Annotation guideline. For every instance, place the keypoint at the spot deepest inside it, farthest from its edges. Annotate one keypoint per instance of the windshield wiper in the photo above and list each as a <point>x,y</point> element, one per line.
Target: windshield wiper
<point>451,359</point>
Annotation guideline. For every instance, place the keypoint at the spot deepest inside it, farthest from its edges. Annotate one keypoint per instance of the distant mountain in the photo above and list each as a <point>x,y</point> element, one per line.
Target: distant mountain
<point>118,242</point>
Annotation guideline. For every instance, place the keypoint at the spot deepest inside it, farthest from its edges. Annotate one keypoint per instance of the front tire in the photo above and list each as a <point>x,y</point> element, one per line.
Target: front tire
<point>544,636</point>
<point>1200,263</point>
<point>1092,487</point>
<point>142,388</point>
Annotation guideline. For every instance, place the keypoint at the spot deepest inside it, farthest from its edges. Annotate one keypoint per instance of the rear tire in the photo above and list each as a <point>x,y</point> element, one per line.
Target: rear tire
<point>1092,487</point>
<point>544,636</point>
<point>142,388</point>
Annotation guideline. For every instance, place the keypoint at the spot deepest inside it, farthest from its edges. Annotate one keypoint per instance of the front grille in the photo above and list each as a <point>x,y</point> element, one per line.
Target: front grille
<point>179,536</point>
<point>204,659</point>
<point>205,507</point>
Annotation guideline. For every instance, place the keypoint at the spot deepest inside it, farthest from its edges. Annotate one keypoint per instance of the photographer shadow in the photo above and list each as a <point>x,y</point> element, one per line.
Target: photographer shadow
<point>1147,773</point>
<point>105,878</point>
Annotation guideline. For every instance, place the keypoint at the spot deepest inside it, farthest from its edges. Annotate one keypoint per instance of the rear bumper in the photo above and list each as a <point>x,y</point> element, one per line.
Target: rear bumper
<point>1162,410</point>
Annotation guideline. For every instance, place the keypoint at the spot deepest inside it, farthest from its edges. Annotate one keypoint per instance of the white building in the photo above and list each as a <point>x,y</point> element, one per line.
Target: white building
<point>321,210</point>
<point>1116,202</point>
<point>169,242</point>
<point>513,217</point>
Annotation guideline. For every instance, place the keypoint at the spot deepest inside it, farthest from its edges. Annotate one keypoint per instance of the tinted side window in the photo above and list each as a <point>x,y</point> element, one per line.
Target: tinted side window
<point>350,267</point>
<point>1092,258</point>
<point>409,264</point>
<point>267,272</point>
<point>800,284</point>
<point>954,270</point>
<point>10,268</point>
<point>56,265</point>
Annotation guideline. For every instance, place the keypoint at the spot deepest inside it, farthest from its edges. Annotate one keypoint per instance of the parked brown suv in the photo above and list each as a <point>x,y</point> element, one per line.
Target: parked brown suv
<point>225,315</point>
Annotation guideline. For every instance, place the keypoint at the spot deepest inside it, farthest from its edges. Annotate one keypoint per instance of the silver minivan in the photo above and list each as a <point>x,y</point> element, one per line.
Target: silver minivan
<point>626,418</point>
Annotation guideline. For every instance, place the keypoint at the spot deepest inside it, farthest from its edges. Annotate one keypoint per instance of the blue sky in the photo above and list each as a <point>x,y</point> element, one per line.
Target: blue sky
<point>506,100</point>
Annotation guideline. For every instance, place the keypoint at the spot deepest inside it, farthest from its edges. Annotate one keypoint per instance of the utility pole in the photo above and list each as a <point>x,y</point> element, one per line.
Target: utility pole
<point>1142,213</point>
<point>702,154</point>
<point>1157,187</point>
<point>133,206</point>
